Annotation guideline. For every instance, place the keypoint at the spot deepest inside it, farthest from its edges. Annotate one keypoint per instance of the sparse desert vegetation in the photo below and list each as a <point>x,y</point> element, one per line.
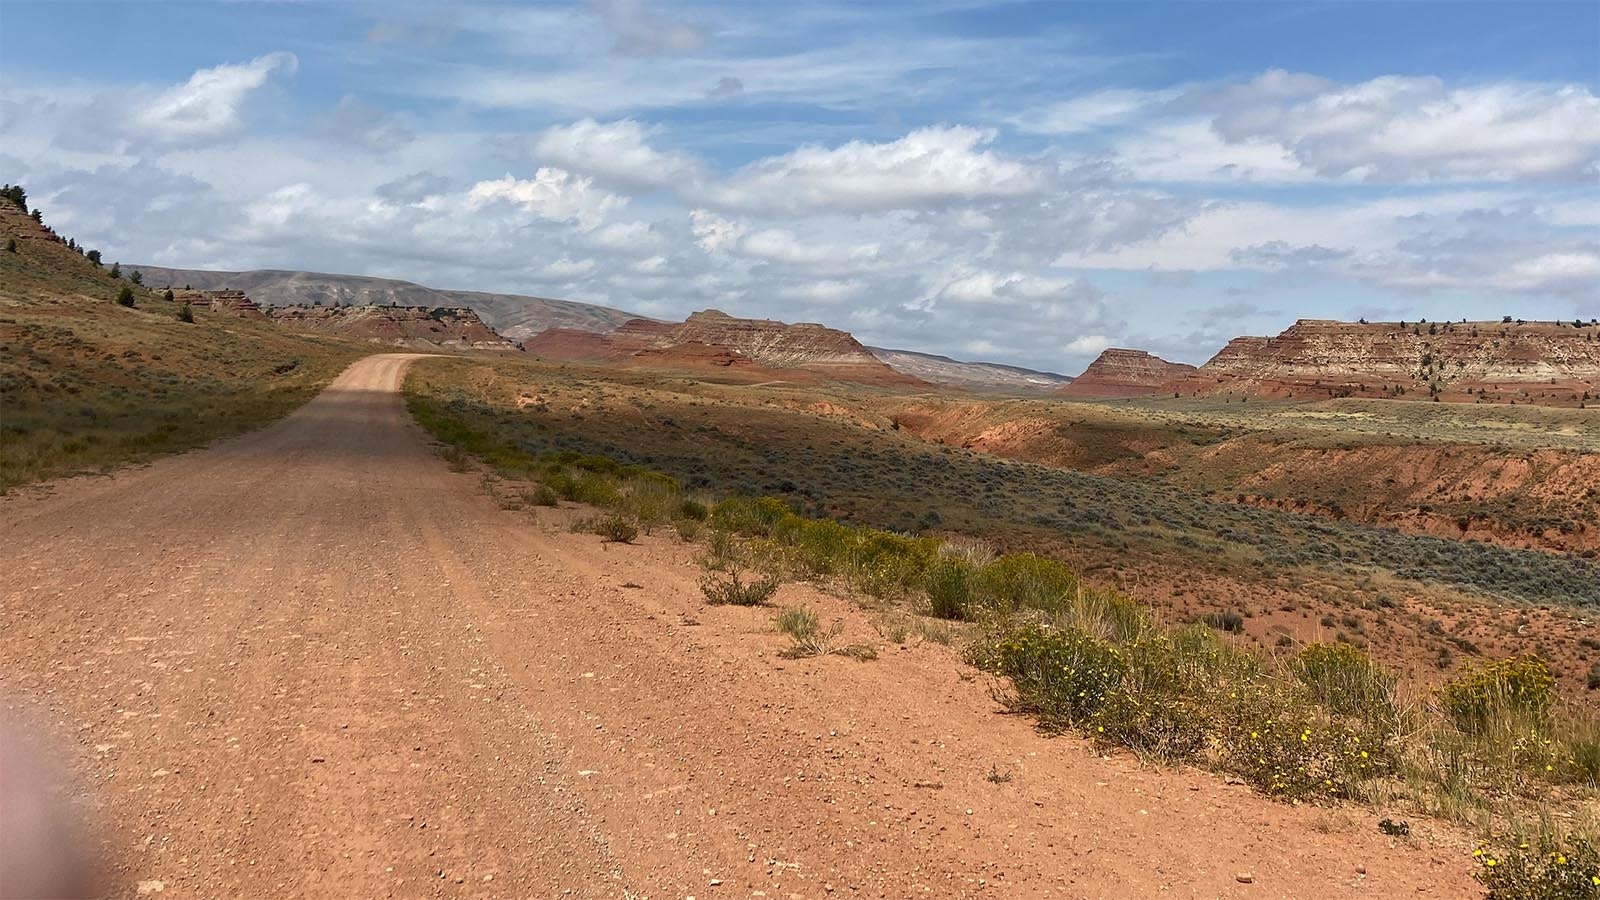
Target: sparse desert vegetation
<point>1496,746</point>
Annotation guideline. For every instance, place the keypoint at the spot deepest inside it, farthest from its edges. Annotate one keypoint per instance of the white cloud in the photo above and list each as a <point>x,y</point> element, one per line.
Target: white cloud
<point>1190,150</point>
<point>209,105</point>
<point>566,267</point>
<point>616,152</point>
<point>1087,345</point>
<point>715,233</point>
<point>927,167</point>
<point>1398,128</point>
<point>552,194</point>
<point>1090,112</point>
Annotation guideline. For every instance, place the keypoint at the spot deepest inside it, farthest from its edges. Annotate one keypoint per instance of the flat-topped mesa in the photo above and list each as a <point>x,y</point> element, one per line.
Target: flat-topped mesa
<point>404,326</point>
<point>759,348</point>
<point>774,343</point>
<point>1125,373</point>
<point>1527,362</point>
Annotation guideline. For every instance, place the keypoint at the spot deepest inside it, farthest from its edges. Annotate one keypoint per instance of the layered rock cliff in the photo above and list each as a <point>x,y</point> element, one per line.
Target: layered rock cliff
<point>1125,373</point>
<point>1523,362</point>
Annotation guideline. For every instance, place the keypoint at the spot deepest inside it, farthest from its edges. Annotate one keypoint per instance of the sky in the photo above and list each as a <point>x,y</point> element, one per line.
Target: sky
<point>1026,183</point>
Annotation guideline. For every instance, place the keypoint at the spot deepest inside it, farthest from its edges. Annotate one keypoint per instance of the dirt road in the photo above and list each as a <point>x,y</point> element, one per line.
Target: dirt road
<point>315,662</point>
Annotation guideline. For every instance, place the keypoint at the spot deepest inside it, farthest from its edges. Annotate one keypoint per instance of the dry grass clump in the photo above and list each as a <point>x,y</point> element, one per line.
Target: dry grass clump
<point>729,588</point>
<point>810,638</point>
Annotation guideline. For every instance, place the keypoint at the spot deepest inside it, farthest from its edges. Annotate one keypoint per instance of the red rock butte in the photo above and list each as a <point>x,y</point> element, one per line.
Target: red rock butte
<point>1124,373</point>
<point>756,348</point>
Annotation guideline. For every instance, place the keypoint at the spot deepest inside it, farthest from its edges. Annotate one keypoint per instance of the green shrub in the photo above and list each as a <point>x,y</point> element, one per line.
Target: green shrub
<point>651,501</point>
<point>1275,737</point>
<point>693,510</point>
<point>185,312</point>
<point>1107,616</point>
<point>1060,676</point>
<point>824,545</point>
<point>949,582</point>
<point>125,296</point>
<point>595,490</point>
<point>731,590</point>
<point>543,495</point>
<point>1025,581</point>
<point>1519,687</point>
<point>1568,870</point>
<point>1346,681</point>
<point>616,528</point>
<point>1154,709</point>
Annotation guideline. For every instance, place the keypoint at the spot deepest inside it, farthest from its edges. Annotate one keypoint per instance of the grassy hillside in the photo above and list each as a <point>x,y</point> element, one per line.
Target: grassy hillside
<point>87,384</point>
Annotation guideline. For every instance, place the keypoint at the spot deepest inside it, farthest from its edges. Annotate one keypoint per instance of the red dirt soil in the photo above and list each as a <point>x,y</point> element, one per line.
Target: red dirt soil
<point>315,662</point>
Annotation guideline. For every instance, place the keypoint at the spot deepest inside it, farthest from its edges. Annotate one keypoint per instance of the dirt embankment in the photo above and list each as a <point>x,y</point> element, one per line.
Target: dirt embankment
<point>315,662</point>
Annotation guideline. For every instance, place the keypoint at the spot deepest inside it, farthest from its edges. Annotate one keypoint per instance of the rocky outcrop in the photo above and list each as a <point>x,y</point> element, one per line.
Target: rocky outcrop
<point>235,303</point>
<point>403,326</point>
<point>1552,363</point>
<point>760,348</point>
<point>1125,373</point>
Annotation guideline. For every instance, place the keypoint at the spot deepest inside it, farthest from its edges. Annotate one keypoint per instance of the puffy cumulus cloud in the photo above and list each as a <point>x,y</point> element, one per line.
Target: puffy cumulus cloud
<point>984,286</point>
<point>928,167</point>
<point>615,152</point>
<point>1088,345</point>
<point>551,193</point>
<point>209,105</point>
<point>714,233</point>
<point>718,235</point>
<point>638,30</point>
<point>1397,128</point>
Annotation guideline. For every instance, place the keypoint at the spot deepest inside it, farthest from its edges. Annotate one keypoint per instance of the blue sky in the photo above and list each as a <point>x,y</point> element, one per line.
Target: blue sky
<point>1021,182</point>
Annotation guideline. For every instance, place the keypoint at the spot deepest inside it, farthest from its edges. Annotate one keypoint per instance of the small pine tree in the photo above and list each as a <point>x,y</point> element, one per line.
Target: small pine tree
<point>167,296</point>
<point>185,312</point>
<point>116,270</point>
<point>11,245</point>
<point>93,256</point>
<point>125,296</point>
<point>137,277</point>
<point>38,214</point>
<point>16,195</point>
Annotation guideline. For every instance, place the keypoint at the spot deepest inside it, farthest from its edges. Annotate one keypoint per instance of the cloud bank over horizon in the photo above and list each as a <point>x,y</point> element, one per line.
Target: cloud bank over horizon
<point>1027,186</point>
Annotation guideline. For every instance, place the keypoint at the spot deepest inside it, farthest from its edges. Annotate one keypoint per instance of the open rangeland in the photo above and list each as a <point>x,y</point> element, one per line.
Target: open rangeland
<point>315,661</point>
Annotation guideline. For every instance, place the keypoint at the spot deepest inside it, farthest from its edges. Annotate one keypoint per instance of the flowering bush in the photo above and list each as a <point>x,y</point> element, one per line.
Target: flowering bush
<point>1520,686</point>
<point>1567,870</point>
